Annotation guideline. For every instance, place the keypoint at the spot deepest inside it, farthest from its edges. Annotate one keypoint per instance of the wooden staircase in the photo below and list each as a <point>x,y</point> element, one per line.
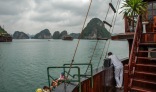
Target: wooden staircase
<point>144,74</point>
<point>140,73</point>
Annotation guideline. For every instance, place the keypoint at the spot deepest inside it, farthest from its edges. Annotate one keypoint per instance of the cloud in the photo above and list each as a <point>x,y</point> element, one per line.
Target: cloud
<point>13,7</point>
<point>32,16</point>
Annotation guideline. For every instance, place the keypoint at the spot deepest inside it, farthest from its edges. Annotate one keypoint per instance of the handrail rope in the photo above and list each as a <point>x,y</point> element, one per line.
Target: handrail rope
<point>79,38</point>
<point>97,41</point>
<point>109,40</point>
<point>106,41</point>
<point>102,53</point>
<point>92,55</point>
<point>117,6</point>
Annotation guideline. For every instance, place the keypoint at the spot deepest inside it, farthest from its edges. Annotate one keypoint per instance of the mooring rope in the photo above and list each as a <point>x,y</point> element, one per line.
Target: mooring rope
<point>92,56</point>
<point>79,38</point>
<point>97,41</point>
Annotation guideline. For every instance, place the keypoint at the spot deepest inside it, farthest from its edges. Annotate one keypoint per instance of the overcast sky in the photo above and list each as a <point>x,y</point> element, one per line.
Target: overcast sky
<point>32,16</point>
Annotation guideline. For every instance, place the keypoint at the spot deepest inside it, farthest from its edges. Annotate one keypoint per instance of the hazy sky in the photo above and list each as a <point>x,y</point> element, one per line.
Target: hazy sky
<point>32,16</point>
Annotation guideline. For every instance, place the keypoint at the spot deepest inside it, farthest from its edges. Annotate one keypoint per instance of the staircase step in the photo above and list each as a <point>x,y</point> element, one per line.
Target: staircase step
<point>139,89</point>
<point>148,44</point>
<point>146,68</point>
<point>144,81</point>
<point>145,76</point>
<point>146,73</point>
<point>145,51</point>
<point>149,33</point>
<point>146,65</point>
<point>152,43</point>
<point>147,85</point>
<point>147,58</point>
<point>146,61</point>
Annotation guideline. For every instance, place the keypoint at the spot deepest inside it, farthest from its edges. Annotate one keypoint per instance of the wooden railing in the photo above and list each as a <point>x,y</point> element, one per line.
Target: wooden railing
<point>133,54</point>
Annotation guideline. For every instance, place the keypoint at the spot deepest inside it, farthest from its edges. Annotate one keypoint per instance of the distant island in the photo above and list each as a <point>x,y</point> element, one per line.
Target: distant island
<point>44,34</point>
<point>20,35</point>
<point>94,29</point>
<point>4,36</point>
<point>58,35</point>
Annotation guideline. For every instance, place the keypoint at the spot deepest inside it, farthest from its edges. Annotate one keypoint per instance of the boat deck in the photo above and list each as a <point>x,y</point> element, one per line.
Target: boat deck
<point>103,81</point>
<point>123,36</point>
<point>70,88</point>
<point>113,89</point>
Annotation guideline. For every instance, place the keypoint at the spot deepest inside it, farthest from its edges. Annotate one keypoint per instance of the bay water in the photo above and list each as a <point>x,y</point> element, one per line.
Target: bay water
<point>23,63</point>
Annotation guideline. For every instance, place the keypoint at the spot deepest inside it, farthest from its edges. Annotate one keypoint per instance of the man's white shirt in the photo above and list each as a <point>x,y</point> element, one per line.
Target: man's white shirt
<point>115,61</point>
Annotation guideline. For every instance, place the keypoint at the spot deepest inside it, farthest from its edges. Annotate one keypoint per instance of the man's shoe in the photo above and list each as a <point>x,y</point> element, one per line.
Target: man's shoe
<point>121,87</point>
<point>117,87</point>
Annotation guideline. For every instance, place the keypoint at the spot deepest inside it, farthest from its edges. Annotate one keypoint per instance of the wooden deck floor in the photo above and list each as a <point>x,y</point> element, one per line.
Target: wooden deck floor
<point>107,89</point>
<point>123,36</point>
<point>113,89</point>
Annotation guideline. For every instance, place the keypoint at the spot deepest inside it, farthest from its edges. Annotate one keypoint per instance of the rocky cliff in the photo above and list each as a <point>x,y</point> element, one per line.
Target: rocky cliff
<point>44,34</point>
<point>95,29</point>
<point>20,35</point>
<point>56,35</point>
<point>4,36</point>
<point>63,33</point>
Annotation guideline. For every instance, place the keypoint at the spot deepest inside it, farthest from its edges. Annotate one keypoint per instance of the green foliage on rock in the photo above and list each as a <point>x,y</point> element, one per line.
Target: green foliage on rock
<point>2,30</point>
<point>4,33</point>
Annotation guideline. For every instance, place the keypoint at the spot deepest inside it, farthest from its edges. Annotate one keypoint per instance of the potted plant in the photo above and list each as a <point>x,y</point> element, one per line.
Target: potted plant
<point>131,8</point>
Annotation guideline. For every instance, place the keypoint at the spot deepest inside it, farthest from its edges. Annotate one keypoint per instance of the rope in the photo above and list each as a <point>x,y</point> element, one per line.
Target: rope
<point>107,12</point>
<point>101,54</point>
<point>109,40</point>
<point>79,38</point>
<point>97,41</point>
<point>117,7</point>
<point>92,55</point>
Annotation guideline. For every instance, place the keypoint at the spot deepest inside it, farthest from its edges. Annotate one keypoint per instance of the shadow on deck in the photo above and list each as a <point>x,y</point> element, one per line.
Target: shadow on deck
<point>113,89</point>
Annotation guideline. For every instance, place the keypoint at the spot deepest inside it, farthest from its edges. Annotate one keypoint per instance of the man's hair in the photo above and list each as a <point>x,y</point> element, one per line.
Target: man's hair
<point>109,53</point>
<point>62,73</point>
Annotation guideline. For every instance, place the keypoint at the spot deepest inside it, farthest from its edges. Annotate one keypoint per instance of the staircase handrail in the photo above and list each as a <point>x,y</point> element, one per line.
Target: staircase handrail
<point>137,36</point>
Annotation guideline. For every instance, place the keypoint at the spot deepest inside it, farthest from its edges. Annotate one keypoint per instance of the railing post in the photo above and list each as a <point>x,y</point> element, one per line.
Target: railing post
<point>91,75</point>
<point>48,77</point>
<point>79,79</point>
<point>91,66</point>
<point>126,78</point>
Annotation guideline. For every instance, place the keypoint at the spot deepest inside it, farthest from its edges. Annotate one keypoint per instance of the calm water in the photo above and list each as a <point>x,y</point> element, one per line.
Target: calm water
<point>23,63</point>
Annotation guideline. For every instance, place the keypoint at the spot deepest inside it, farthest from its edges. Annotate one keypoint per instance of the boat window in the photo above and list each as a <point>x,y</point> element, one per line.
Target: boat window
<point>149,6</point>
<point>151,10</point>
<point>154,12</point>
<point>154,5</point>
